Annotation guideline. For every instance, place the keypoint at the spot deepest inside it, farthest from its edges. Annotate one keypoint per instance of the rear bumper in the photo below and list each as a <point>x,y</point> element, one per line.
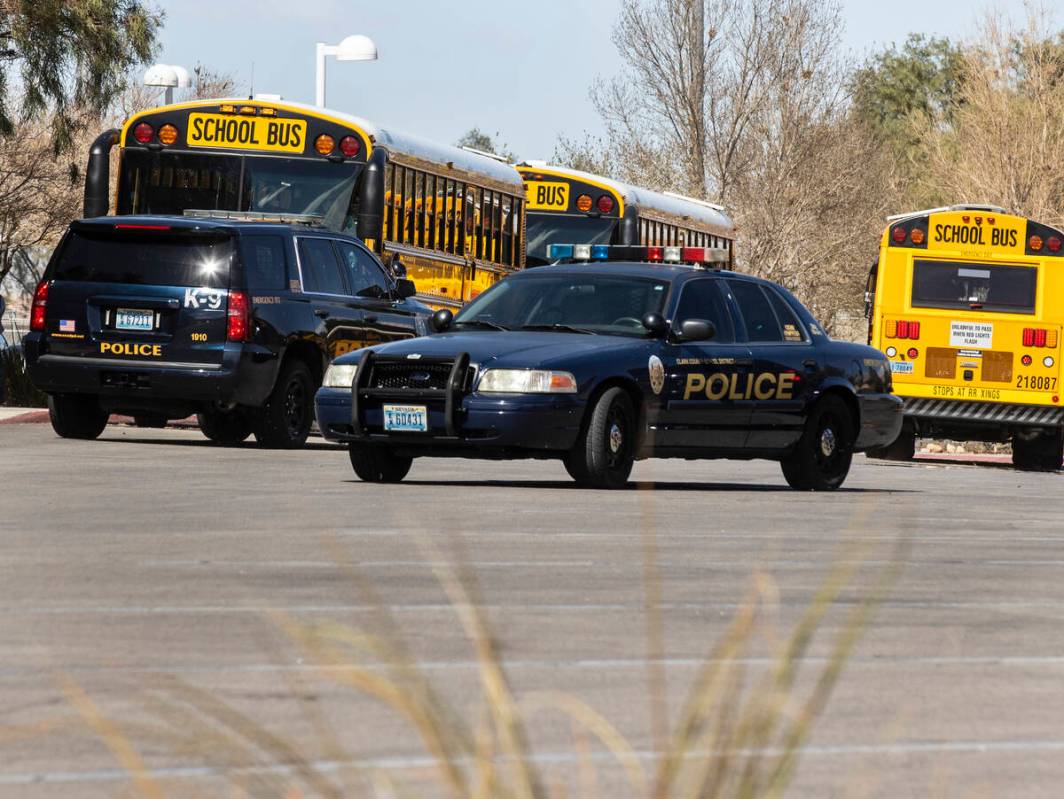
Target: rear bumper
<point>502,426</point>
<point>983,414</point>
<point>881,420</point>
<point>244,376</point>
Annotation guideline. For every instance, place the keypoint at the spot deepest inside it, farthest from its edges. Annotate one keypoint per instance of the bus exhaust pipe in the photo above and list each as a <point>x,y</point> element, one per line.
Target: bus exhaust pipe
<point>98,174</point>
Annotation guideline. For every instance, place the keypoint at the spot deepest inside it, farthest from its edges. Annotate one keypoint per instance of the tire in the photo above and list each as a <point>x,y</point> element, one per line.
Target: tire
<point>903,448</point>
<point>284,421</point>
<point>155,420</point>
<point>224,427</point>
<point>1044,453</point>
<point>75,416</point>
<point>377,464</point>
<point>605,451</point>
<point>821,458</point>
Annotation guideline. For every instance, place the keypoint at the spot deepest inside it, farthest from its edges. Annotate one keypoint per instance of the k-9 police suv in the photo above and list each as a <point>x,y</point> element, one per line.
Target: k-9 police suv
<point>598,363</point>
<point>233,319</point>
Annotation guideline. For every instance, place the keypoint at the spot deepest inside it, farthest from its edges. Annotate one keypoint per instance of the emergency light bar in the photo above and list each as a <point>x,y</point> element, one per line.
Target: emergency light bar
<point>256,216</point>
<point>702,256</point>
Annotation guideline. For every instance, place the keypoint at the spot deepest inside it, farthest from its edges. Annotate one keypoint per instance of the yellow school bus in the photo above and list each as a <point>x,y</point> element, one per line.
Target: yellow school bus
<point>455,217</point>
<point>967,302</point>
<point>567,206</point>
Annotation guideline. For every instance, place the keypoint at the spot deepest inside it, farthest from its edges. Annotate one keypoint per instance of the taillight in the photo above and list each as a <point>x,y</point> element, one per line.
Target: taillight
<point>40,301</point>
<point>350,146</point>
<point>143,133</point>
<point>901,328</point>
<point>1026,360</point>
<point>1028,337</point>
<point>237,322</point>
<point>1039,337</point>
<point>913,352</point>
<point>605,203</point>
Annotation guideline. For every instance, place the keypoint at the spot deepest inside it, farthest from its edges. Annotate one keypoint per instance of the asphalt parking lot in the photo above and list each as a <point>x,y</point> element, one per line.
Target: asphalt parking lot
<point>150,554</point>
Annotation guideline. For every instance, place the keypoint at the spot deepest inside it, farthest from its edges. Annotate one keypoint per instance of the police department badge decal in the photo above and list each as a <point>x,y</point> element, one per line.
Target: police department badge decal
<point>657,374</point>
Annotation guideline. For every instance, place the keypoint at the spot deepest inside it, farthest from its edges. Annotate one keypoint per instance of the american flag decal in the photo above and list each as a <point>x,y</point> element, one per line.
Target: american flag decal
<point>67,326</point>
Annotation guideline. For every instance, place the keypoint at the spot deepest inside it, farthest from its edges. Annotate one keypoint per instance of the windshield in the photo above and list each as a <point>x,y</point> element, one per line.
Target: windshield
<point>146,259</point>
<point>614,305</point>
<point>171,182</point>
<point>542,230</point>
<point>939,284</point>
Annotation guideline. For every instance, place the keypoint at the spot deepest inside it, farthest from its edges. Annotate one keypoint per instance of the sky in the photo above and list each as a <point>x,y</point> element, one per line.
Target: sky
<point>522,70</point>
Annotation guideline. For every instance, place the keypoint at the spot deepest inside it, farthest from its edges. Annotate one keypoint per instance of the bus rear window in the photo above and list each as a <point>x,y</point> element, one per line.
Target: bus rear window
<point>146,259</point>
<point>974,286</point>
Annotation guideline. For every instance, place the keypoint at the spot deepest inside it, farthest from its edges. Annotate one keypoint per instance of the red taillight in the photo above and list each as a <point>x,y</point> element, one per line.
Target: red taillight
<point>350,146</point>
<point>1026,360</point>
<point>1053,244</point>
<point>40,301</point>
<point>238,325</point>
<point>654,253</point>
<point>605,203</point>
<point>913,352</point>
<point>1028,337</point>
<point>914,330</point>
<point>1039,337</point>
<point>143,133</point>
<point>898,234</point>
<point>903,330</point>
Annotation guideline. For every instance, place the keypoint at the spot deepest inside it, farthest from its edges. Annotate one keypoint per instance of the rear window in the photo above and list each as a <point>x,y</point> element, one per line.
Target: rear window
<point>944,284</point>
<point>265,263</point>
<point>146,259</point>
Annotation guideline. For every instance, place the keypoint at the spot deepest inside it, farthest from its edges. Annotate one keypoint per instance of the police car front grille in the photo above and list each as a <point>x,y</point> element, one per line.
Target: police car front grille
<point>997,412</point>
<point>404,375</point>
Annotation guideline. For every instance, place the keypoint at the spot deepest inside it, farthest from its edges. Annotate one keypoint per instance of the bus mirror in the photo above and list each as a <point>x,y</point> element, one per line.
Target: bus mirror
<point>405,288</point>
<point>441,320</point>
<point>697,330</point>
<point>655,324</point>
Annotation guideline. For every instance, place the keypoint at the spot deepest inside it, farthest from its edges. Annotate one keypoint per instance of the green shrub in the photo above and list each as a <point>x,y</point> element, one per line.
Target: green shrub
<point>17,389</point>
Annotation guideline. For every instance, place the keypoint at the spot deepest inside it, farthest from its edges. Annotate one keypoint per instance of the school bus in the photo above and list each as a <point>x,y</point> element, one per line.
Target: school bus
<point>567,206</point>
<point>455,217</point>
<point>967,302</point>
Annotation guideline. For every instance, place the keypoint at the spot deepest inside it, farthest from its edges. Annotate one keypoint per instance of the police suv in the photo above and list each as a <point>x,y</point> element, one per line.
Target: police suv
<point>619,353</point>
<point>160,317</point>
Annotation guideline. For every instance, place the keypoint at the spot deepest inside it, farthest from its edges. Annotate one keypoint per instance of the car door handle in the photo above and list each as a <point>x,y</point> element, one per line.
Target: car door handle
<point>322,312</point>
<point>810,364</point>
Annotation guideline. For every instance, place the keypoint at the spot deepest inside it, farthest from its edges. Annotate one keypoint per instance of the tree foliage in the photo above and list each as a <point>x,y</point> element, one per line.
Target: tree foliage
<point>68,57</point>
<point>477,139</point>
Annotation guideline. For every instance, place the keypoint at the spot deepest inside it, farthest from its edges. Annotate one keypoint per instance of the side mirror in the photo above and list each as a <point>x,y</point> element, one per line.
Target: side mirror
<point>405,288</point>
<point>441,320</point>
<point>697,330</point>
<point>655,324</point>
<point>398,267</point>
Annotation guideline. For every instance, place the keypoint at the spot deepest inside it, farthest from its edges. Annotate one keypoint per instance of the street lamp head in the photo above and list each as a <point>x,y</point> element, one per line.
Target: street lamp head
<point>184,80</point>
<point>162,75</point>
<point>356,48</point>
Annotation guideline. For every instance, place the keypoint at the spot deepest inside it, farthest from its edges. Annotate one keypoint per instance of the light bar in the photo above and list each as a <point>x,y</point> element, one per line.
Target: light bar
<point>701,256</point>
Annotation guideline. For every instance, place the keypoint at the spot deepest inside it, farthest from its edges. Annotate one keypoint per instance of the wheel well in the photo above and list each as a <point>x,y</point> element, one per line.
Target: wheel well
<point>310,355</point>
<point>630,388</point>
<point>851,403</point>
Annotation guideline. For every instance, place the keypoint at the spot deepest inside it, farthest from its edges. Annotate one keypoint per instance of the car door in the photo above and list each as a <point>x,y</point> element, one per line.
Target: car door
<point>785,364</point>
<point>385,318</point>
<point>704,406</point>
<point>340,316</point>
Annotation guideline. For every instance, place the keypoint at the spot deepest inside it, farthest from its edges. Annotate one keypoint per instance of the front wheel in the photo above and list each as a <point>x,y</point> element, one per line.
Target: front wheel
<point>284,421</point>
<point>227,428</point>
<point>75,416</point>
<point>821,458</point>
<point>1042,453</point>
<point>604,453</point>
<point>378,464</point>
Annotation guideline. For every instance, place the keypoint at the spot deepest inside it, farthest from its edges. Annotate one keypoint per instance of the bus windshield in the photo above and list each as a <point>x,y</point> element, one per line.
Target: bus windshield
<point>975,286</point>
<point>170,183</point>
<point>542,230</point>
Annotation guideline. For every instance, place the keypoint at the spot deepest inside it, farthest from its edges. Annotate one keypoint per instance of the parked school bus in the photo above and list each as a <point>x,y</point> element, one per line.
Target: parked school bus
<point>968,304</point>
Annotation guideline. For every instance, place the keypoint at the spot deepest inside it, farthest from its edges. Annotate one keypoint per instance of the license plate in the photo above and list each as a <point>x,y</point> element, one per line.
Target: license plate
<point>126,319</point>
<point>901,367</point>
<point>411,418</point>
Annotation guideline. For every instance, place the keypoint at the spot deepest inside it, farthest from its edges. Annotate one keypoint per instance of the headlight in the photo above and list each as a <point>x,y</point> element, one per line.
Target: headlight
<point>340,375</point>
<point>526,381</point>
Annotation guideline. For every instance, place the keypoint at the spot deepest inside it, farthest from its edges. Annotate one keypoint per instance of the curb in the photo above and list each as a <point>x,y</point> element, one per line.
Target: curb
<point>41,417</point>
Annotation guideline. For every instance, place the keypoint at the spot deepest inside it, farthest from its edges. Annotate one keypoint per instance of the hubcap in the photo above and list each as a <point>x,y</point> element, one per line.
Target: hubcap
<point>616,438</point>
<point>827,442</point>
<point>293,407</point>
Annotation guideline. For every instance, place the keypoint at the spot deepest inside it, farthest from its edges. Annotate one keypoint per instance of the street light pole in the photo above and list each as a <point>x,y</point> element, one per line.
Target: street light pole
<point>353,48</point>
<point>319,76</point>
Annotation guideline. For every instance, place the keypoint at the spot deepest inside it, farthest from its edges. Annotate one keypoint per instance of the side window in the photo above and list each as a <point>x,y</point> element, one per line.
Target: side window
<point>321,273</point>
<point>265,264</point>
<point>761,322</point>
<point>702,299</point>
<point>364,275</point>
<point>792,328</point>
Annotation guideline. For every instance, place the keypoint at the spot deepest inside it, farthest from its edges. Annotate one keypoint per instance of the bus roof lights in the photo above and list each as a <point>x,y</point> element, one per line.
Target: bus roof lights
<point>583,203</point>
<point>168,134</point>
<point>350,146</point>
<point>324,144</point>
<point>1053,244</point>
<point>916,235</point>
<point>605,203</point>
<point>898,234</point>
<point>143,133</point>
<point>1035,243</point>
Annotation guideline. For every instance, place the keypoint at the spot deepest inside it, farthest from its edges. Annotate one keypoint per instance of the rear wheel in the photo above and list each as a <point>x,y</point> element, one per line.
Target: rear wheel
<point>377,464</point>
<point>604,453</point>
<point>75,416</point>
<point>821,458</point>
<point>224,427</point>
<point>903,448</point>
<point>284,421</point>
<point>1042,453</point>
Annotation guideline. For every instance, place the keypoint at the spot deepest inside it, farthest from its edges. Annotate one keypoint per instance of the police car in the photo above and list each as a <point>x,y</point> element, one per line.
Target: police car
<point>614,354</point>
<point>227,315</point>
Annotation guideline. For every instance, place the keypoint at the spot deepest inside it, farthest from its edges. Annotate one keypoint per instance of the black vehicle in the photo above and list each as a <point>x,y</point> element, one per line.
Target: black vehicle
<point>602,363</point>
<point>160,317</point>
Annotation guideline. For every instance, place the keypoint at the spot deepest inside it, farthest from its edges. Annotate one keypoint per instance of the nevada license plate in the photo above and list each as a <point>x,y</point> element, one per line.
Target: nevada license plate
<point>411,418</point>
<point>901,367</point>
<point>126,319</point>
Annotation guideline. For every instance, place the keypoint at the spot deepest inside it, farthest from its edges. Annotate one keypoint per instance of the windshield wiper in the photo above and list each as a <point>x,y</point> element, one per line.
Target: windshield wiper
<point>481,323</point>
<point>560,327</point>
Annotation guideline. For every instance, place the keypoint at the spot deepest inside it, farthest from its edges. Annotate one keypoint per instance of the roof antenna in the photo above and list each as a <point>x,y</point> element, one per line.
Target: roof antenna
<point>251,96</point>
